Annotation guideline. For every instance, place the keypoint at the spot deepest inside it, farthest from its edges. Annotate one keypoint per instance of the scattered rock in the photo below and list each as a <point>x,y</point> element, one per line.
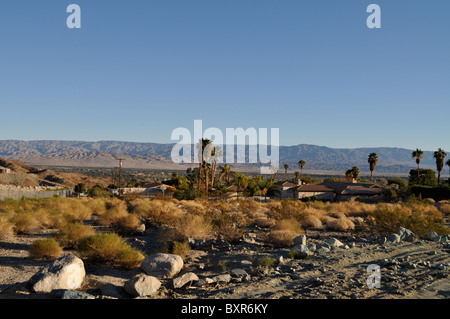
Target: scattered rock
<point>142,285</point>
<point>433,236</point>
<point>300,240</point>
<point>162,265</point>
<point>225,278</point>
<point>204,281</point>
<point>393,238</point>
<point>66,272</point>
<point>184,279</point>
<point>302,252</point>
<point>333,242</point>
<point>406,234</point>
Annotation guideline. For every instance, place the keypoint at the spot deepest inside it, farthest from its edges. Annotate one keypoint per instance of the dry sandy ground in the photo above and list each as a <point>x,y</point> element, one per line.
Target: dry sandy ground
<point>412,270</point>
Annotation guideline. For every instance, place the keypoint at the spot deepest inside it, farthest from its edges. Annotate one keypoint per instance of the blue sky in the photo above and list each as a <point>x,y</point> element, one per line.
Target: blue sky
<point>137,70</point>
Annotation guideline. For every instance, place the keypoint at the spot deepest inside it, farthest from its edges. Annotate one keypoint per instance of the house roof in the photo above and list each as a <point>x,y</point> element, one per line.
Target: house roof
<point>286,184</point>
<point>313,188</point>
<point>342,188</point>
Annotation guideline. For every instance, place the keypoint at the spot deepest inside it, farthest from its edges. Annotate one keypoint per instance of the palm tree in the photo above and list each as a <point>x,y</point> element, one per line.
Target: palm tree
<point>448,164</point>
<point>302,164</point>
<point>201,146</point>
<point>373,160</point>
<point>217,153</point>
<point>297,176</point>
<point>286,167</point>
<point>352,173</point>
<point>225,172</point>
<point>439,155</point>
<point>417,154</point>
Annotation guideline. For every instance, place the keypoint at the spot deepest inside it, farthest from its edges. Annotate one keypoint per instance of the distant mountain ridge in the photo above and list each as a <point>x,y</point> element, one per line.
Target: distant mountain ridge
<point>158,156</point>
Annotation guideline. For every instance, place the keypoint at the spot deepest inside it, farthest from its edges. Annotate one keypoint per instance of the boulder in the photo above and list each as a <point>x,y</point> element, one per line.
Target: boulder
<point>302,252</point>
<point>432,235</point>
<point>393,238</point>
<point>66,272</point>
<point>406,234</point>
<point>300,240</point>
<point>184,279</point>
<point>142,285</point>
<point>333,242</point>
<point>222,278</point>
<point>162,265</point>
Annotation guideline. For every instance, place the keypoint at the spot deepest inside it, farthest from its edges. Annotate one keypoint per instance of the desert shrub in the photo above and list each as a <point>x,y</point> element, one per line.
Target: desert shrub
<point>160,212</point>
<point>110,247</point>
<point>417,217</point>
<point>265,262</point>
<point>284,232</point>
<point>445,209</point>
<point>45,249</point>
<point>96,205</point>
<point>71,234</point>
<point>127,224</point>
<point>25,223</point>
<point>341,222</point>
<point>115,210</point>
<point>6,228</point>
<point>311,221</point>
<point>180,248</point>
<point>190,226</point>
<point>227,225</point>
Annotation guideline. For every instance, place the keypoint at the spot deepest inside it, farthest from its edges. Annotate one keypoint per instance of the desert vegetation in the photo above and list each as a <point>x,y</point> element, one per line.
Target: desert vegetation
<point>98,227</point>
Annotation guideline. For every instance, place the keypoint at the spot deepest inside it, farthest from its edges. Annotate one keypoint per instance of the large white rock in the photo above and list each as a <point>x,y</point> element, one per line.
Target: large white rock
<point>162,265</point>
<point>66,272</point>
<point>142,285</point>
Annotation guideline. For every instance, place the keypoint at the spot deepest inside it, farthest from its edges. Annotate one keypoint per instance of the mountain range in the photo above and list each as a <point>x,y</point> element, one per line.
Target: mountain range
<point>319,159</point>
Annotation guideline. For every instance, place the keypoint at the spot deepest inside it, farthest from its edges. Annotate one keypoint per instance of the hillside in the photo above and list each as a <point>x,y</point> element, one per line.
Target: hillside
<point>157,156</point>
<point>26,175</point>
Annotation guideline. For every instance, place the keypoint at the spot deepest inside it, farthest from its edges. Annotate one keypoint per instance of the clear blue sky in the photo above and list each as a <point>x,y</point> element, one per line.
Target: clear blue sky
<point>136,70</point>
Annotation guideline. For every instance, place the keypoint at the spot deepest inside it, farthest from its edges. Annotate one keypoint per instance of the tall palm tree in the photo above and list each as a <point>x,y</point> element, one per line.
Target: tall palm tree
<point>302,164</point>
<point>201,146</point>
<point>418,155</point>
<point>297,176</point>
<point>373,160</point>
<point>286,167</point>
<point>448,164</point>
<point>217,153</point>
<point>225,172</point>
<point>439,155</point>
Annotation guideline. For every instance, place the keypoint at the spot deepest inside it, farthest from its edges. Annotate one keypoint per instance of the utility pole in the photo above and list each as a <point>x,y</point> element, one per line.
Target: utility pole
<point>120,172</point>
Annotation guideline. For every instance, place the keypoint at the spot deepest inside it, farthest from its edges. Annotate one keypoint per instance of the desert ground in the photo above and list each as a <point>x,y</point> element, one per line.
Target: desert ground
<point>417,269</point>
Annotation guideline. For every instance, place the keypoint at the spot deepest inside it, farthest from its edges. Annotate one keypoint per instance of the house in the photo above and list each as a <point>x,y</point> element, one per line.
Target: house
<point>148,191</point>
<point>285,187</point>
<point>234,191</point>
<point>322,192</point>
<point>4,170</point>
<point>339,191</point>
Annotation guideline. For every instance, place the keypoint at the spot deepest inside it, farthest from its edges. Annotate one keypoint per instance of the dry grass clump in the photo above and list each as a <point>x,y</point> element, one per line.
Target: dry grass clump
<point>6,227</point>
<point>418,217</point>
<point>45,249</point>
<point>110,247</point>
<point>118,217</point>
<point>445,209</point>
<point>26,223</point>
<point>284,232</point>
<point>351,208</point>
<point>311,221</point>
<point>158,211</point>
<point>339,222</point>
<point>71,234</point>
<point>190,226</point>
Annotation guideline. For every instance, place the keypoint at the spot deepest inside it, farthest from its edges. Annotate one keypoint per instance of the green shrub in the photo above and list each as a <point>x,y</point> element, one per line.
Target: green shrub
<point>71,234</point>
<point>45,249</point>
<point>110,247</point>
